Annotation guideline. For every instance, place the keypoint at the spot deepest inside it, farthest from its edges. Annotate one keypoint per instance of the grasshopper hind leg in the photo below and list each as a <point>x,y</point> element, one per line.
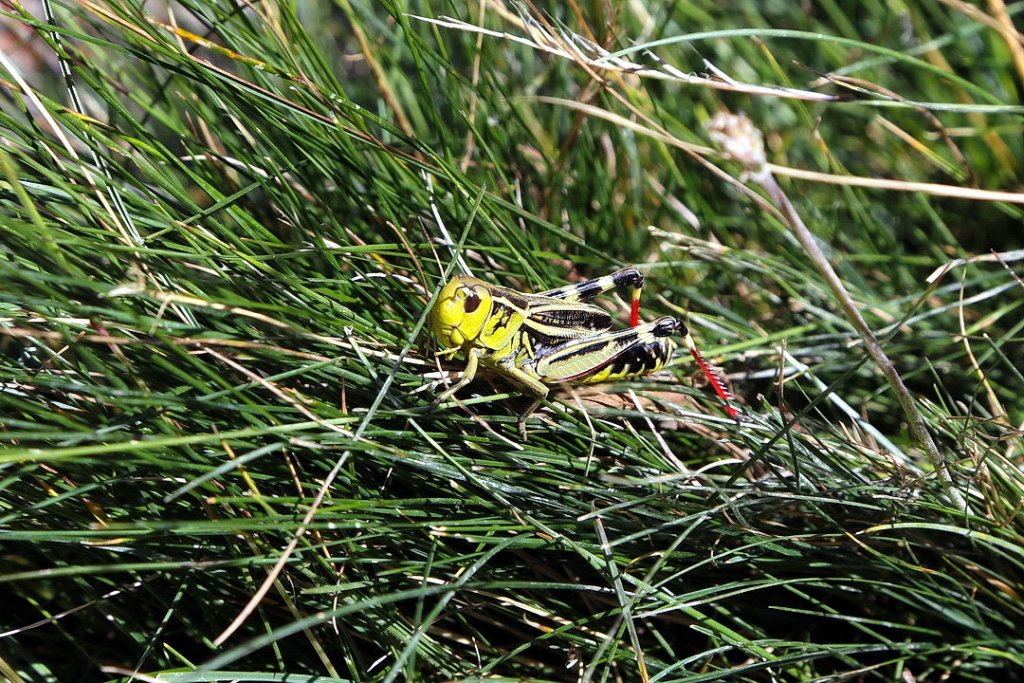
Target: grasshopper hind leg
<point>613,355</point>
<point>605,357</point>
<point>585,291</point>
<point>646,353</point>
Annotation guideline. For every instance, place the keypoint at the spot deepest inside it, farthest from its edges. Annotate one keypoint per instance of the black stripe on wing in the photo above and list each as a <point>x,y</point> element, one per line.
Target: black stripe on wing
<point>554,325</point>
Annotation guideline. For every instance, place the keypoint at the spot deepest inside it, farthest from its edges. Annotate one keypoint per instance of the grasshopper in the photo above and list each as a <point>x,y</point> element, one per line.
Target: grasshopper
<point>552,337</point>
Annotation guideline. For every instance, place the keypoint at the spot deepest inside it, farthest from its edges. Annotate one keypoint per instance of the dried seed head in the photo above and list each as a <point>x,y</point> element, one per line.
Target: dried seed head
<point>736,135</point>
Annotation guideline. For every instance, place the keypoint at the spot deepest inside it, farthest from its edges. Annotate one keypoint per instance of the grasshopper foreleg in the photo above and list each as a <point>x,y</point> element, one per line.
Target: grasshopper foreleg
<point>472,363</point>
<point>535,387</point>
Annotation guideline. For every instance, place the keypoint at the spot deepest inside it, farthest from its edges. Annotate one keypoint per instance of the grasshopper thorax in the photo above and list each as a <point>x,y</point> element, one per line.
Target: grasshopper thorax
<point>461,311</point>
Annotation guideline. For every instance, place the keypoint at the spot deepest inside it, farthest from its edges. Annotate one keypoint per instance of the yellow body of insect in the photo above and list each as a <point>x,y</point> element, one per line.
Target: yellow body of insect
<point>552,337</point>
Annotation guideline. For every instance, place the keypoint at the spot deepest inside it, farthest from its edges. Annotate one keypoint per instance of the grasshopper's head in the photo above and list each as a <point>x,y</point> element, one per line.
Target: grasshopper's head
<point>460,311</point>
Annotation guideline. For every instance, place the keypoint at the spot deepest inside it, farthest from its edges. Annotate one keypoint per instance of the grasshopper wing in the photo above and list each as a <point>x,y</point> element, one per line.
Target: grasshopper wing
<point>551,324</point>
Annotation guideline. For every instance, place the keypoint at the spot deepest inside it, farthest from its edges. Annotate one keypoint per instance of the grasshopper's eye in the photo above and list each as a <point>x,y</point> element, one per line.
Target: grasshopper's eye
<point>472,302</point>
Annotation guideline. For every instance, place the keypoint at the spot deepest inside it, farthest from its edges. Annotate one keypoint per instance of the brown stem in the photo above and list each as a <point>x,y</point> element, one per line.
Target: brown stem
<point>915,420</point>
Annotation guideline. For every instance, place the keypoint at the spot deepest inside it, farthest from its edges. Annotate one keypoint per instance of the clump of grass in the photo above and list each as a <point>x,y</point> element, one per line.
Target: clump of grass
<point>219,237</point>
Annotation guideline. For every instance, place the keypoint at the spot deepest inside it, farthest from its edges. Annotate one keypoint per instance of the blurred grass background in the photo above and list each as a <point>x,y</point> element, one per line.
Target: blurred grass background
<point>220,233</point>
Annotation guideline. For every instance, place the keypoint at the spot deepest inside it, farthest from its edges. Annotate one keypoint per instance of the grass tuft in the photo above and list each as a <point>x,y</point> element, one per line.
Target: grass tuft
<point>219,235</point>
